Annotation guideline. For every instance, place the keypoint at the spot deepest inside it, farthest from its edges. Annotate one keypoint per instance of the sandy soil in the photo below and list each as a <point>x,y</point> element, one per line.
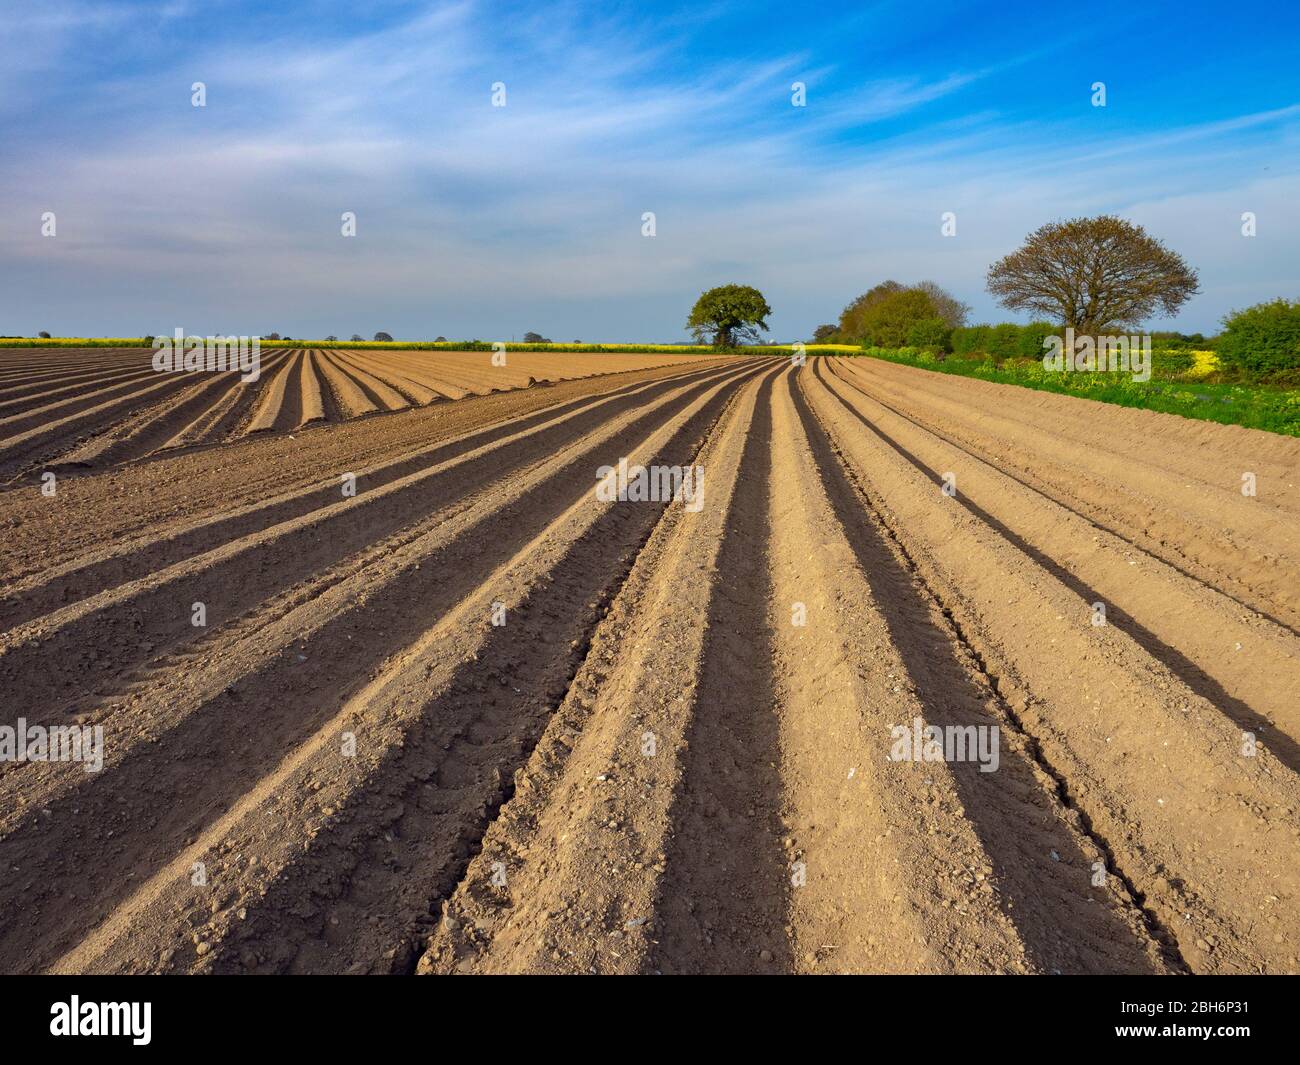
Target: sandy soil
<point>75,408</point>
<point>475,719</point>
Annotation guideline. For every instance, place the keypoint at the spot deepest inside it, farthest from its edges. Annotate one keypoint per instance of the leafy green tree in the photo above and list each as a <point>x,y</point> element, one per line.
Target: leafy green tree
<point>929,333</point>
<point>383,336</point>
<point>851,318</point>
<point>886,322</point>
<point>729,315</point>
<point>1264,338</point>
<point>1095,274</point>
<point>823,333</point>
<point>947,306</point>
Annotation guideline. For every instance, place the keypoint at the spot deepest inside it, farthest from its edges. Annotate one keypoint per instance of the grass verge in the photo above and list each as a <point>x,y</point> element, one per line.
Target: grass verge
<point>1254,405</point>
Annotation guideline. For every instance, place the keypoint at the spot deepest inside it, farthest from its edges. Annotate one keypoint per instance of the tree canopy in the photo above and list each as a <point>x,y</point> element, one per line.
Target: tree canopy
<point>1093,274</point>
<point>941,304</point>
<point>887,321</point>
<point>729,315</point>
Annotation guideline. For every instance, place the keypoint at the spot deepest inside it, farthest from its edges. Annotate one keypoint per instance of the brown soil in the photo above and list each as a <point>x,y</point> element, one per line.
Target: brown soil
<point>474,719</point>
<point>70,409</point>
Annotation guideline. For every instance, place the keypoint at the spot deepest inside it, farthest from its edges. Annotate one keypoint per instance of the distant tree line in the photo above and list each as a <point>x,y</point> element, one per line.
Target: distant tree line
<point>1099,276</point>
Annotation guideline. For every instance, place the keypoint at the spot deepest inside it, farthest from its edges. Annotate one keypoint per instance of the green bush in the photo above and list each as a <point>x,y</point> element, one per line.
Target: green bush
<point>929,333</point>
<point>1169,362</point>
<point>1030,345</point>
<point>1262,339</point>
<point>1004,341</point>
<point>970,339</point>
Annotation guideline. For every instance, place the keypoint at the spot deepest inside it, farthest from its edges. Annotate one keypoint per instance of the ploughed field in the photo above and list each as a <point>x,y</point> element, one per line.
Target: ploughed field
<point>79,407</point>
<point>478,718</point>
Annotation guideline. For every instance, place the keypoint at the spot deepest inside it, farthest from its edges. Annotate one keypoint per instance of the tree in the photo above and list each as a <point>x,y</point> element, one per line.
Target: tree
<point>947,306</point>
<point>357,338</point>
<point>822,333</point>
<point>383,337</point>
<point>730,315</point>
<point>1264,338</point>
<point>1093,274</point>
<point>44,335</point>
<point>851,326</point>
<point>887,322</point>
<point>440,340</point>
<point>331,338</point>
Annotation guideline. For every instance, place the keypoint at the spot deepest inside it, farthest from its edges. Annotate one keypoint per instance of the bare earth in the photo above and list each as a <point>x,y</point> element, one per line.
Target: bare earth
<point>652,765</point>
<point>93,407</point>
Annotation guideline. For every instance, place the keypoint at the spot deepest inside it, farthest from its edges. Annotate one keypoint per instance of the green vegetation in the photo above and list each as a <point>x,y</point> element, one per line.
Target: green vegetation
<point>1173,388</point>
<point>1099,277</point>
<point>1263,339</point>
<point>887,314</point>
<point>730,314</point>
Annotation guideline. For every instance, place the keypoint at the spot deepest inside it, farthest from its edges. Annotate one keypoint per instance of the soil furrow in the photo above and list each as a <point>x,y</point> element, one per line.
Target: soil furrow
<point>442,571</point>
<point>154,612</point>
<point>1200,820</point>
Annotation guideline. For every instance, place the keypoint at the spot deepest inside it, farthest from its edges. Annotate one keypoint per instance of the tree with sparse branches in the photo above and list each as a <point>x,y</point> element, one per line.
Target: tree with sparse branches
<point>1093,274</point>
<point>729,315</point>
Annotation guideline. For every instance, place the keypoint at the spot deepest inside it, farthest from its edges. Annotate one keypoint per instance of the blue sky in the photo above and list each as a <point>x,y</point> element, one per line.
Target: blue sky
<point>476,221</point>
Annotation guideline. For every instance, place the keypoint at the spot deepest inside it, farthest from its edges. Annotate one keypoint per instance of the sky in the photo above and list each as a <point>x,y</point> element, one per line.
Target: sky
<point>476,221</point>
